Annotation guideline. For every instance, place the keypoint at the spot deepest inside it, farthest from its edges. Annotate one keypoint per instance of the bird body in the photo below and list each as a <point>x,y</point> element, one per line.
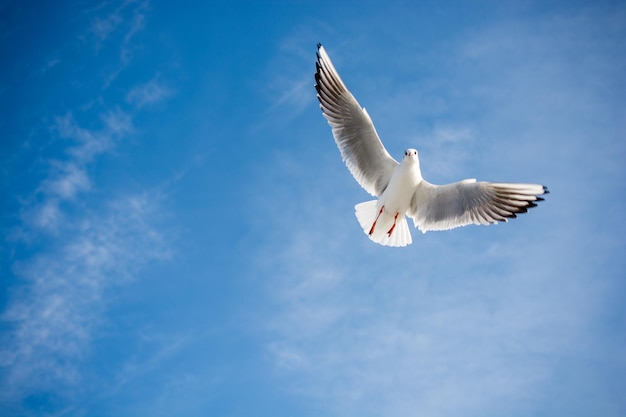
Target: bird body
<point>389,226</point>
<point>400,188</point>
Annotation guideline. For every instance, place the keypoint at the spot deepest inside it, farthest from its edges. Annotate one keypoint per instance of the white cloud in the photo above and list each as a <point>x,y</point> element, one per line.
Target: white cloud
<point>117,123</point>
<point>149,93</point>
<point>74,246</point>
<point>44,216</point>
<point>68,180</point>
<point>89,143</point>
<point>103,26</point>
<point>52,320</point>
<point>116,24</point>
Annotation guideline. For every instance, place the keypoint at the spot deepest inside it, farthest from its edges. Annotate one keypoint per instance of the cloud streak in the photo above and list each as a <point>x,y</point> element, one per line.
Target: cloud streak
<point>117,23</point>
<point>75,244</point>
<point>53,315</point>
<point>68,178</point>
<point>149,93</point>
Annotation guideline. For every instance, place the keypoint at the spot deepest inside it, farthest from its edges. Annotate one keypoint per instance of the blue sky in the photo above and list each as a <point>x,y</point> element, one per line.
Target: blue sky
<point>178,227</point>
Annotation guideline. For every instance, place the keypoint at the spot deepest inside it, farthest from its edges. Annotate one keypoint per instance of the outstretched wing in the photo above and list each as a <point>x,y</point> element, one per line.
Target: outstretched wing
<point>353,130</point>
<point>443,207</point>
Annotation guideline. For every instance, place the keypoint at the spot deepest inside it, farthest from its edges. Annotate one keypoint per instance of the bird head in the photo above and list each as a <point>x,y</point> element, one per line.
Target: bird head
<point>411,154</point>
<point>412,161</point>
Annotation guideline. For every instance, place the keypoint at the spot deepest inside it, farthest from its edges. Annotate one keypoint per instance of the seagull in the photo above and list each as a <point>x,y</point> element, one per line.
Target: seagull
<point>400,189</point>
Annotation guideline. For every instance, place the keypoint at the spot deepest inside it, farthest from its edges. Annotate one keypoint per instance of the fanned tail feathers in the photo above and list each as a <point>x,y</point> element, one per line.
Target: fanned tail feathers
<point>366,214</point>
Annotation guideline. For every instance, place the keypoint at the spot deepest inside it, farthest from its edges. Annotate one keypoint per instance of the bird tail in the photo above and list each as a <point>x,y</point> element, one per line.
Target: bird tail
<point>383,232</point>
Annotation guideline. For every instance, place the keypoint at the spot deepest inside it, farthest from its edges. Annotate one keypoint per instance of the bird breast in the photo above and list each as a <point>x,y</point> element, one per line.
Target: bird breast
<point>399,192</point>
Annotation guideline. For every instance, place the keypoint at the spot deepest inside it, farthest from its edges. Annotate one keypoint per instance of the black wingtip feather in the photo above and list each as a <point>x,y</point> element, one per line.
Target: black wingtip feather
<point>317,73</point>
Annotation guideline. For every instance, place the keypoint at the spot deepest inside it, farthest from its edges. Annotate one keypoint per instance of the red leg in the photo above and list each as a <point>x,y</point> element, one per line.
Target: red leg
<point>393,226</point>
<point>374,224</point>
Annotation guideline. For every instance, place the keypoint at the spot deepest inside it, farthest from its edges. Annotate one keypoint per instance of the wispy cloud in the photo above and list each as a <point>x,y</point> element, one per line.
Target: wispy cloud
<point>79,244</point>
<point>88,143</point>
<point>289,82</point>
<point>148,93</point>
<point>68,177</point>
<point>68,180</point>
<point>116,25</point>
<point>53,318</point>
<point>103,26</point>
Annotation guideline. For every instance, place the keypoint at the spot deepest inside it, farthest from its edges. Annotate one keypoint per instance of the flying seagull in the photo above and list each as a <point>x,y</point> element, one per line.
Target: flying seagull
<point>399,187</point>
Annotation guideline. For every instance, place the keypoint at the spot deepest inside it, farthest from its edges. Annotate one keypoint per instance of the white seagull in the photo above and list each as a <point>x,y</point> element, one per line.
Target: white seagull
<point>400,188</point>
